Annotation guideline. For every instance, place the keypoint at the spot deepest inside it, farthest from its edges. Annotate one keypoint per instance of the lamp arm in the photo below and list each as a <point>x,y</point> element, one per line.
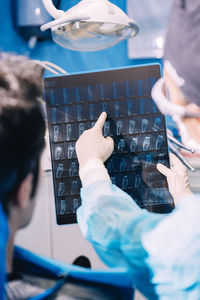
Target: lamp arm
<point>62,20</point>
<point>52,10</point>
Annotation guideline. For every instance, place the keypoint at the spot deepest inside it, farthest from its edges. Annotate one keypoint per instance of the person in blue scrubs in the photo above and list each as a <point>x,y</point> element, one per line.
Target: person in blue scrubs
<point>161,251</point>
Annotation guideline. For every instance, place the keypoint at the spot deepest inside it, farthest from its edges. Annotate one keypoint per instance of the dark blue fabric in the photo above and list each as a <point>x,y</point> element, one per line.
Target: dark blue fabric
<point>3,241</point>
<point>29,263</point>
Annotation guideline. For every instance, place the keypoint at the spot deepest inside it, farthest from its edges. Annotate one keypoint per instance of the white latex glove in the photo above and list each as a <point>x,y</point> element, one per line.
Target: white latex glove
<point>177,178</point>
<point>92,144</point>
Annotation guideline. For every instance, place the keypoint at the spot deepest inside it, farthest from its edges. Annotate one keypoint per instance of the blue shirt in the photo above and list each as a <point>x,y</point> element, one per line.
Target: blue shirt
<point>4,233</point>
<point>161,251</point>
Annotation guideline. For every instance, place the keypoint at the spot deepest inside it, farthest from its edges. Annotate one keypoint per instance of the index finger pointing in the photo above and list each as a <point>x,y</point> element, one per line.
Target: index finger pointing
<point>101,120</point>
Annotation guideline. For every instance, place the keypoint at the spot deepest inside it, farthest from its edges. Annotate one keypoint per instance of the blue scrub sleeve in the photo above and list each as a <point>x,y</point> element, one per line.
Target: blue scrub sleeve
<point>174,251</point>
<point>4,234</point>
<point>115,224</point>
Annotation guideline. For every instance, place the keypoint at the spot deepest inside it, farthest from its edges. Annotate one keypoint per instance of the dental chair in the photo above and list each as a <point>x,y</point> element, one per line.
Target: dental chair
<point>112,284</point>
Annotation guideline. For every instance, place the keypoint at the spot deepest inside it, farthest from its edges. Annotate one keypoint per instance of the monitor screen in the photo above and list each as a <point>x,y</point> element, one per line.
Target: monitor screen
<point>74,103</point>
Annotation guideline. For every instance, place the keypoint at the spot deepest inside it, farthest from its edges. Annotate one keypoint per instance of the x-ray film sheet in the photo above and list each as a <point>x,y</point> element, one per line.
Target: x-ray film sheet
<point>138,128</point>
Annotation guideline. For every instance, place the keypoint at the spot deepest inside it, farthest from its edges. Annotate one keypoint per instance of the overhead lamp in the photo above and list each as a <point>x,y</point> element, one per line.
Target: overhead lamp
<point>90,25</point>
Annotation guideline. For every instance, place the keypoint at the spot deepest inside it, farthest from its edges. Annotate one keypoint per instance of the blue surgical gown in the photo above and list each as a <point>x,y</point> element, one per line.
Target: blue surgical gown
<point>161,251</point>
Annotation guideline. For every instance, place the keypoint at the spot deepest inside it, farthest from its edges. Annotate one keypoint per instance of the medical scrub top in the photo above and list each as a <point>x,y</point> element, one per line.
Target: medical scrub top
<point>162,252</point>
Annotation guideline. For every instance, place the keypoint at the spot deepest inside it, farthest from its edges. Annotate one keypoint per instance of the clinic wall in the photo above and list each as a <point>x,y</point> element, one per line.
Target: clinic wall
<point>47,50</point>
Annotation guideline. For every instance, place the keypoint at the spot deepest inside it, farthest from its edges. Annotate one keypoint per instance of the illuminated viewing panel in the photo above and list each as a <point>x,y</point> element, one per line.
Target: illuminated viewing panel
<point>74,103</point>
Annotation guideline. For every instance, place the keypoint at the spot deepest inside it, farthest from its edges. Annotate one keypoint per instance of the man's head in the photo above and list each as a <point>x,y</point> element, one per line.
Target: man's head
<point>22,129</point>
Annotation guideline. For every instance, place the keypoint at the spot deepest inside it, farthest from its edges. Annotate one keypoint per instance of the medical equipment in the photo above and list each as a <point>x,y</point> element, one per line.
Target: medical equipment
<point>132,144</point>
<point>173,149</point>
<point>179,113</point>
<point>159,92</point>
<point>28,16</point>
<point>53,68</point>
<point>89,25</point>
<point>102,284</point>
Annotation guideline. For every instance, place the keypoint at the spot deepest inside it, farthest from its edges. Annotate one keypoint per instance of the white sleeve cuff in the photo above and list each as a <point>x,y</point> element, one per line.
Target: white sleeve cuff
<point>93,171</point>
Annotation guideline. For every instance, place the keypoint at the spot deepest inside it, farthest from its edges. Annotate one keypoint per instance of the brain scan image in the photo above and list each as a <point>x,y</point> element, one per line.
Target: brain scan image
<point>72,169</point>
<point>70,151</point>
<point>59,170</point>
<point>75,204</point>
<point>150,178</point>
<point>79,113</point>
<point>161,158</point>
<point>121,146</point>
<point>68,132</point>
<point>117,109</point>
<point>52,97</point>
<point>146,143</point>
<point>106,128</point>
<point>92,124</point>
<point>91,111</point>
<point>104,106</point>
<point>144,125</point>
<point>119,127</point>
<point>53,115</point>
<point>110,165</point>
<point>55,133</point>
<point>122,166</point>
<point>58,152</point>
<point>113,179</point>
<point>156,124</point>
<point>137,181</point>
<point>135,162</point>
<point>125,182</point>
<point>129,108</point>
<point>131,126</point>
<point>81,128</point>
<point>66,114</point>
<point>148,161</point>
<point>74,187</point>
<point>63,207</point>
<point>134,144</point>
<point>61,189</point>
<point>159,142</point>
<point>142,106</point>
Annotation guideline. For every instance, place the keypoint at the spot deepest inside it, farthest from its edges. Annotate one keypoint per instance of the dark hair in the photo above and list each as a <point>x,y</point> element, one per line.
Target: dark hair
<point>22,126</point>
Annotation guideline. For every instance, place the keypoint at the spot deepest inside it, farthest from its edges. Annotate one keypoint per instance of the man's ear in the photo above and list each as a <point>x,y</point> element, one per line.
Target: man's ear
<point>23,193</point>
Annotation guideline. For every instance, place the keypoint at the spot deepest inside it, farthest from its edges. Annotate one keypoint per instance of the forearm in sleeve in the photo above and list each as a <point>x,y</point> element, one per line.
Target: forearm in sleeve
<point>114,223</point>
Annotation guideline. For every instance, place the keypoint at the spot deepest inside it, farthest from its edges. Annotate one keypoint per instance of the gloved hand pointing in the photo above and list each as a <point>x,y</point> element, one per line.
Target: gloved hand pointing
<point>92,144</point>
<point>177,178</point>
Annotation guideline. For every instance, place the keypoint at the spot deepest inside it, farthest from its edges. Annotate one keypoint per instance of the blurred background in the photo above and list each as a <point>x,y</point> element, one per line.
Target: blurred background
<point>21,19</point>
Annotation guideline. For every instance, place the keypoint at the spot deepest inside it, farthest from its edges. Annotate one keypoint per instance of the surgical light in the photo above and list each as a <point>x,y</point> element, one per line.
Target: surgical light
<point>90,25</point>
